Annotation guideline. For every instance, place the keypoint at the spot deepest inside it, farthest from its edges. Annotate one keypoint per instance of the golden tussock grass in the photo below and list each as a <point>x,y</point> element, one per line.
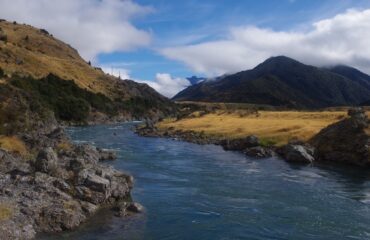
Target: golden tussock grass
<point>6,211</point>
<point>273,126</point>
<point>30,52</point>
<point>64,146</point>
<point>13,144</point>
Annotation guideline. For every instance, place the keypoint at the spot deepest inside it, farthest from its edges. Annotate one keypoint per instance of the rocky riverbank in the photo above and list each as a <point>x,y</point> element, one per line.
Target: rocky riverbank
<point>57,186</point>
<point>346,141</point>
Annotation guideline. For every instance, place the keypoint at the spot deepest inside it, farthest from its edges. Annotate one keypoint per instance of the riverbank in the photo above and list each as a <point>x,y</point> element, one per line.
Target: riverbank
<point>48,184</point>
<point>295,136</point>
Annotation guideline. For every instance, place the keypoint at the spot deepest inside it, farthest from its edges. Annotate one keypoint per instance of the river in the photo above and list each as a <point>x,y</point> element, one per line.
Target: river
<point>203,192</point>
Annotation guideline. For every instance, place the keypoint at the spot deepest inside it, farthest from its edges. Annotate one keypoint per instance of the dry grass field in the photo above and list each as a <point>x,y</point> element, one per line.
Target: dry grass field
<point>13,144</point>
<point>275,127</point>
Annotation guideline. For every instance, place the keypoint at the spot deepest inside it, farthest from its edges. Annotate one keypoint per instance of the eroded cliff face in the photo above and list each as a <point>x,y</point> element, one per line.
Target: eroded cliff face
<point>347,141</point>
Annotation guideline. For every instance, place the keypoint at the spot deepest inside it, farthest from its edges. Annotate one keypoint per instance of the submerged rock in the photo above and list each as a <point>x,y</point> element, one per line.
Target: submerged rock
<point>346,141</point>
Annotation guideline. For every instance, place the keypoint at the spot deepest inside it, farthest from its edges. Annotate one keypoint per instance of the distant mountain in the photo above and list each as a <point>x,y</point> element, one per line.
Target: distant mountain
<point>194,79</point>
<point>282,81</point>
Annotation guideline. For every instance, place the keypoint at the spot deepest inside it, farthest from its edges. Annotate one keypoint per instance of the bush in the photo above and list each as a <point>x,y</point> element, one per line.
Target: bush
<point>72,109</point>
<point>3,37</point>
<point>68,101</point>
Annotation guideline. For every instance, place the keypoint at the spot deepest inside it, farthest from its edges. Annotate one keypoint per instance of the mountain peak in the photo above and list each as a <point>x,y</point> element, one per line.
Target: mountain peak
<point>276,62</point>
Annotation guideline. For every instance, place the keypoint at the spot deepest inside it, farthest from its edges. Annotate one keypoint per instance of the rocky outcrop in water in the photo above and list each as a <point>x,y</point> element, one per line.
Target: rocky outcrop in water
<point>58,189</point>
<point>346,141</point>
<point>297,153</point>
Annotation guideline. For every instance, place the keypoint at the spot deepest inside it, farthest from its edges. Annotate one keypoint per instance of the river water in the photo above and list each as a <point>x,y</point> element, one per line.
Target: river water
<point>203,192</point>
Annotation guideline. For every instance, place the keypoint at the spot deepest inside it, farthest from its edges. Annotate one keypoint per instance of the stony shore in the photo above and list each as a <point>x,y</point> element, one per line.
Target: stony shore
<point>58,186</point>
<point>345,142</point>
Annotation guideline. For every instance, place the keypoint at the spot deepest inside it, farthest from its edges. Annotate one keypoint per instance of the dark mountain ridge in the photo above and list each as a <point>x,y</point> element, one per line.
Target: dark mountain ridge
<point>282,81</point>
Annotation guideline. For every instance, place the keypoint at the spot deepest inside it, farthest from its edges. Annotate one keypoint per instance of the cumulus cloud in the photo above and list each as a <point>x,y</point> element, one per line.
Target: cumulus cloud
<point>343,39</point>
<point>91,26</point>
<point>165,84</point>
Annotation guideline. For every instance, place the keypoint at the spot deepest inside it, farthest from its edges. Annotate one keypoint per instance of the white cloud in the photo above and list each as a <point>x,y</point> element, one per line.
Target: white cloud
<point>123,73</point>
<point>165,84</point>
<point>91,26</point>
<point>342,39</point>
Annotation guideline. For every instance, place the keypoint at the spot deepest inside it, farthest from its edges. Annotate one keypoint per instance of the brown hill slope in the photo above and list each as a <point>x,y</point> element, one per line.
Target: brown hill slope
<point>31,51</point>
<point>28,51</point>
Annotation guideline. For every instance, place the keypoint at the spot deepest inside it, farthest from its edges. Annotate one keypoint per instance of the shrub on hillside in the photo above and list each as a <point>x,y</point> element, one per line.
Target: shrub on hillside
<point>68,101</point>
<point>3,37</point>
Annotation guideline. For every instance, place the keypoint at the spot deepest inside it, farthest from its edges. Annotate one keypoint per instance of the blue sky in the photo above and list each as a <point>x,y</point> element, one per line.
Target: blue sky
<point>173,23</point>
<point>161,42</point>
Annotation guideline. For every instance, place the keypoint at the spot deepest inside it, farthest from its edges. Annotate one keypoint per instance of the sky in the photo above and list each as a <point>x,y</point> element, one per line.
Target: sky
<point>162,42</point>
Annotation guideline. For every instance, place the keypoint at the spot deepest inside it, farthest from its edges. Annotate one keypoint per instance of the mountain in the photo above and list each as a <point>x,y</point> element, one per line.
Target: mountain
<point>31,53</point>
<point>352,74</point>
<point>281,81</point>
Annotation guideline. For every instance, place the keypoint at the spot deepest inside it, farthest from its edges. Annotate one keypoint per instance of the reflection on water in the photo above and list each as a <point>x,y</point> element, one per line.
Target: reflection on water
<point>202,192</point>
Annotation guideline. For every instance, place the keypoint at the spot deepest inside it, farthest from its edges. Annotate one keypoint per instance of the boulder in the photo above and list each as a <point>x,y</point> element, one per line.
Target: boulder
<point>135,207</point>
<point>240,144</point>
<point>346,141</point>
<point>46,161</point>
<point>297,153</point>
<point>97,183</point>
<point>259,152</point>
<point>107,155</point>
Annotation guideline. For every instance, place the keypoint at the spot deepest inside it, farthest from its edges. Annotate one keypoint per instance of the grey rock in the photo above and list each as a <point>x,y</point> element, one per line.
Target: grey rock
<point>297,153</point>
<point>135,207</point>
<point>106,155</point>
<point>345,141</point>
<point>259,152</point>
<point>46,161</point>
<point>240,144</point>
<point>97,183</point>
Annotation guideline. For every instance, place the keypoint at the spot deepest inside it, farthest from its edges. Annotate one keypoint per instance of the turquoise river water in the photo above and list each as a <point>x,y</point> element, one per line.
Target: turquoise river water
<point>203,192</point>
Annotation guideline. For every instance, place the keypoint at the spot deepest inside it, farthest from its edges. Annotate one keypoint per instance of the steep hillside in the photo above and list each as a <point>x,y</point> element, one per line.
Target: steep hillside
<point>26,51</point>
<point>281,81</point>
<point>352,74</point>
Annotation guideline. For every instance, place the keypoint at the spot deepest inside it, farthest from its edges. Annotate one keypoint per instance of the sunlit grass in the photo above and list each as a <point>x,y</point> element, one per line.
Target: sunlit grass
<point>13,144</point>
<point>275,126</point>
<point>6,211</point>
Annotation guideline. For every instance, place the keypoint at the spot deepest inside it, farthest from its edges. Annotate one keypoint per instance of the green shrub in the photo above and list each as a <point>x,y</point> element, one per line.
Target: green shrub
<point>68,101</point>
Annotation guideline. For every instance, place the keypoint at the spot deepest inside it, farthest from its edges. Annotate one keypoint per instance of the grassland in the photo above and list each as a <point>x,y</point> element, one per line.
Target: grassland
<point>13,144</point>
<point>275,127</point>
<point>33,52</point>
<point>5,212</point>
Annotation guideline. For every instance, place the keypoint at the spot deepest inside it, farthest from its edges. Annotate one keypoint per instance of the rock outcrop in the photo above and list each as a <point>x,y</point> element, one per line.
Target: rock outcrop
<point>346,141</point>
<point>297,153</point>
<point>59,188</point>
<point>240,144</point>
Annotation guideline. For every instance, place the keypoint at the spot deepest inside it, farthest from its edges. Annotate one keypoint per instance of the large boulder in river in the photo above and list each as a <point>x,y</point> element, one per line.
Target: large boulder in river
<point>297,153</point>
<point>346,141</point>
<point>240,144</point>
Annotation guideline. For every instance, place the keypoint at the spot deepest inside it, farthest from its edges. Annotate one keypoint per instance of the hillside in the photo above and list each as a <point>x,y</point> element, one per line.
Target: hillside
<point>281,81</point>
<point>34,53</point>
